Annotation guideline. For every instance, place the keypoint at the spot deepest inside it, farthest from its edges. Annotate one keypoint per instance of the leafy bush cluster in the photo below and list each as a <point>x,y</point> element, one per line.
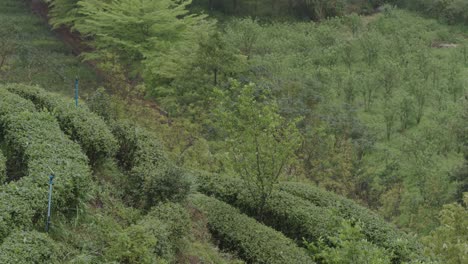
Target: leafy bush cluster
<point>294,216</point>
<point>305,212</point>
<point>35,139</point>
<point>37,147</point>
<point>449,242</point>
<point>304,9</point>
<point>349,247</point>
<point>157,238</point>
<point>253,241</point>
<point>2,168</point>
<point>11,103</point>
<point>30,247</point>
<point>152,177</point>
<point>451,11</point>
<point>375,228</point>
<point>19,201</point>
<point>79,123</point>
<point>21,204</point>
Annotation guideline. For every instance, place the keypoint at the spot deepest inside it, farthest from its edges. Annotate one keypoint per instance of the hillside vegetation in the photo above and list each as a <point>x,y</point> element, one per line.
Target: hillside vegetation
<point>142,213</point>
<point>234,131</point>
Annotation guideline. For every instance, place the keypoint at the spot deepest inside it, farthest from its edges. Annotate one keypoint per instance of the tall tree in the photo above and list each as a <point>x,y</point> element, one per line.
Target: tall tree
<point>449,242</point>
<point>261,143</point>
<point>143,36</point>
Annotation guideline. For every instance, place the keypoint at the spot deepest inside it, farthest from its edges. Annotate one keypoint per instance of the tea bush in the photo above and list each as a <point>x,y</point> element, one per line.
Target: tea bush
<point>152,177</point>
<point>30,247</point>
<point>254,242</point>
<point>79,123</point>
<point>157,238</point>
<point>294,216</point>
<point>21,204</point>
<point>374,227</point>
<point>41,148</point>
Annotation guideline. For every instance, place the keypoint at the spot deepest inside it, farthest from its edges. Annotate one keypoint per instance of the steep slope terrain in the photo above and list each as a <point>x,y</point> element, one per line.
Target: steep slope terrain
<point>378,101</point>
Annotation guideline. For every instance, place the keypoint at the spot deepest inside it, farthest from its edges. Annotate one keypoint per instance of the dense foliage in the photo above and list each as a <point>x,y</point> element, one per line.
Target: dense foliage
<point>381,105</point>
<point>372,226</point>
<point>253,241</point>
<point>32,159</point>
<point>379,101</point>
<point>79,123</point>
<point>151,176</point>
<point>299,219</point>
<point>27,136</point>
<point>20,201</point>
<point>30,247</point>
<point>349,247</point>
<point>303,9</point>
<point>448,242</point>
<point>261,143</point>
<point>132,39</point>
<point>154,239</point>
<point>450,11</point>
<point>291,215</point>
<point>2,168</point>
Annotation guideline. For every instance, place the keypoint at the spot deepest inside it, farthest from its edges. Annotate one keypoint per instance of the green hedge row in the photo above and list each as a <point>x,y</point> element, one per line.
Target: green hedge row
<point>12,103</point>
<point>20,200</point>
<point>2,168</point>
<point>376,229</point>
<point>157,238</point>
<point>152,176</point>
<point>21,204</point>
<point>79,123</point>
<point>36,140</point>
<point>252,241</point>
<point>293,216</point>
<point>36,145</point>
<point>30,247</point>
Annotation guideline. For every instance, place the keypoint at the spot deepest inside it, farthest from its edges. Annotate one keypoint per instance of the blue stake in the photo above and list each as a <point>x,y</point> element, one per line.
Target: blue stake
<point>51,182</point>
<point>76,91</point>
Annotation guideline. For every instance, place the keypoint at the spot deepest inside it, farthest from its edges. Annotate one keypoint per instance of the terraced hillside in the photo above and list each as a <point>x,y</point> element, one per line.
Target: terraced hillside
<point>269,124</point>
<point>43,133</point>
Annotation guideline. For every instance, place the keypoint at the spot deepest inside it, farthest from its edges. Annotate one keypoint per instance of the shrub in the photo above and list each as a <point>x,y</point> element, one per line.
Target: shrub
<point>21,204</point>
<point>374,227</point>
<point>2,168</point>
<point>254,242</point>
<point>101,103</point>
<point>295,217</point>
<point>137,146</point>
<point>178,224</point>
<point>12,103</point>
<point>41,147</point>
<point>138,243</point>
<point>38,146</point>
<point>157,237</point>
<point>152,177</point>
<point>349,247</point>
<point>79,123</point>
<point>30,247</point>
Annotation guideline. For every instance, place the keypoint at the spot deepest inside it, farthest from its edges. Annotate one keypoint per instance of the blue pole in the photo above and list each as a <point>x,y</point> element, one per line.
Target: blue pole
<point>51,182</point>
<point>76,91</point>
